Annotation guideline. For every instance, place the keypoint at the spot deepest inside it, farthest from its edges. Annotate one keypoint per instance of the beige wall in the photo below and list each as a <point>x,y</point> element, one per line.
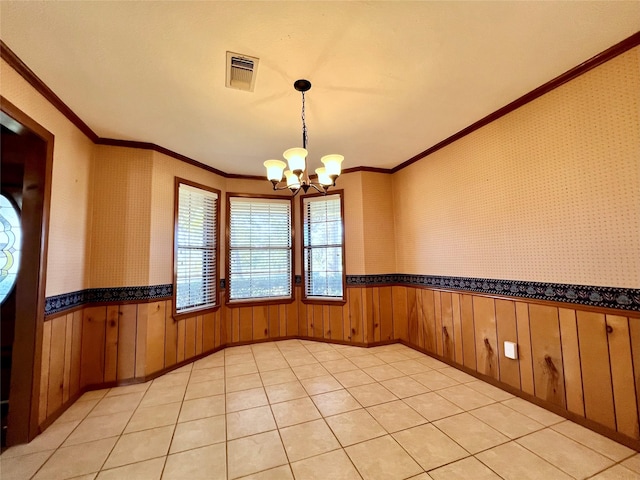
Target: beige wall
<point>549,192</point>
<point>69,223</point>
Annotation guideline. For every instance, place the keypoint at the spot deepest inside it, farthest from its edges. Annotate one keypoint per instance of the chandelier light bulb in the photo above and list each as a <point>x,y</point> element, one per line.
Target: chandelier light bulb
<point>296,158</point>
<point>275,169</point>
<point>333,163</point>
<point>323,177</point>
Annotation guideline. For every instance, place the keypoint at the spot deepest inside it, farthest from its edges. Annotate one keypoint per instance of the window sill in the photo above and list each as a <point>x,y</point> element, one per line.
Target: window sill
<point>245,302</point>
<point>324,300</point>
<point>194,312</point>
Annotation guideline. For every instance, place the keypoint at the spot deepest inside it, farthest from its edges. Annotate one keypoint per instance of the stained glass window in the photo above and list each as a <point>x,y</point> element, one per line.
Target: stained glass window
<point>10,243</point>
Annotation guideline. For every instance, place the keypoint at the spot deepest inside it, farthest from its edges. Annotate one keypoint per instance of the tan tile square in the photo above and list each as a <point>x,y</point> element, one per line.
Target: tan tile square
<point>96,428</point>
<point>76,460</point>
<point>208,462</point>
<point>240,369</point>
<point>254,397</point>
<point>204,389</point>
<point>152,417</point>
<point>337,366</point>
<point>396,416</point>
<point>391,356</point>
<point>366,361</point>
<point>328,356</point>
<point>93,395</point>
<point>253,454</point>
<point>332,403</point>
<point>210,361</point>
<point>507,421</point>
<point>274,377</point>
<point>239,358</point>
<point>429,446</point>
<point>466,468</point>
<point>352,352</point>
<point>249,422</point>
<point>239,350</point>
<point>198,433</point>
<point>489,390</point>
<point>147,470</point>
<point>465,397</point>
<point>632,463</point>
<point>372,394</point>
<point>334,465</point>
<point>139,446</point>
<point>77,411</point>
<point>353,427</point>
<point>567,455</point>
<point>294,411</point>
<point>514,462</point>
<point>202,408</point>
<point>595,441</point>
<point>470,433</point>
<point>539,414</point>
<point>50,439</point>
<point>243,382</point>
<point>272,364</point>
<point>353,378</point>
<point>285,391</point>
<point>383,372</point>
<point>382,459</point>
<point>126,389</point>
<point>88,476</point>
<point>183,369</point>
<point>299,360</point>
<point>404,387</point>
<point>279,473</point>
<point>309,371</point>
<point>431,362</point>
<point>308,440</point>
<point>317,385</point>
<point>24,466</point>
<point>457,375</point>
<point>162,395</point>
<point>120,403</point>
<point>175,379</point>
<point>410,367</point>
<point>617,472</point>
<point>434,380</point>
<point>432,406</point>
<point>206,374</point>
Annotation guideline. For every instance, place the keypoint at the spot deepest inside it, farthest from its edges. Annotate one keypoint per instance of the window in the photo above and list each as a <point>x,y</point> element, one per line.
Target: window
<point>195,247</point>
<point>260,248</point>
<point>10,242</point>
<point>323,252</point>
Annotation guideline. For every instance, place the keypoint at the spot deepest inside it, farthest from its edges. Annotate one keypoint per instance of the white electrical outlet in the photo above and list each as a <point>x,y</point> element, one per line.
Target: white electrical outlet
<point>511,350</point>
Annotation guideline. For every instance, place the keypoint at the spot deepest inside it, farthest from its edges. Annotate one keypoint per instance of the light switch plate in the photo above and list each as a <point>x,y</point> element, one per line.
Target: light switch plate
<point>511,350</point>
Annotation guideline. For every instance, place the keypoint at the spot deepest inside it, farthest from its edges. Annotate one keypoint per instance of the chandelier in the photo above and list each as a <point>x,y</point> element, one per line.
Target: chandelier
<point>296,176</point>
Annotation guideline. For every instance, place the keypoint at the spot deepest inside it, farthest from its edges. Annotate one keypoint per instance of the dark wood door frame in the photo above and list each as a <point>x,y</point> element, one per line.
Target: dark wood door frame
<point>30,289</point>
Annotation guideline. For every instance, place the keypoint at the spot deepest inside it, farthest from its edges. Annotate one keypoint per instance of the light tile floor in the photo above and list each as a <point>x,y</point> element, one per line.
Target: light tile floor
<point>309,410</point>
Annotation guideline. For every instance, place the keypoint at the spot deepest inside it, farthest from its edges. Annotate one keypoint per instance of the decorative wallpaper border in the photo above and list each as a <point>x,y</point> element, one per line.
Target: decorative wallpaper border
<point>606,297</point>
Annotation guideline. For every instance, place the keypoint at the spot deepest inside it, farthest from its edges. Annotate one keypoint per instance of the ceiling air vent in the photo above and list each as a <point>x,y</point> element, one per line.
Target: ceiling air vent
<point>241,71</point>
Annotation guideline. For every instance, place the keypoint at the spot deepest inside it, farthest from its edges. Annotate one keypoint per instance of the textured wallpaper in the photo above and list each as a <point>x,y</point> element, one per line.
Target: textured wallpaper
<point>548,193</point>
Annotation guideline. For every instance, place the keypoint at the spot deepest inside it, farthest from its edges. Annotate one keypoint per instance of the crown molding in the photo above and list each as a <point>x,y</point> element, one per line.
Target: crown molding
<point>19,66</point>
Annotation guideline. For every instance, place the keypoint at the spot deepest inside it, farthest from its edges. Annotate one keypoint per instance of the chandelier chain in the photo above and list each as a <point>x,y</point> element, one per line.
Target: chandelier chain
<point>305,137</point>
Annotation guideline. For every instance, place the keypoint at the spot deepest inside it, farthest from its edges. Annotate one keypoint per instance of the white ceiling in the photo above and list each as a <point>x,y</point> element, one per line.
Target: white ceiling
<point>390,79</point>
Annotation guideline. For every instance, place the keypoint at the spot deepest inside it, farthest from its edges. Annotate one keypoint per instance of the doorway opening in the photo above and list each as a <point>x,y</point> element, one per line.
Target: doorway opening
<point>27,157</point>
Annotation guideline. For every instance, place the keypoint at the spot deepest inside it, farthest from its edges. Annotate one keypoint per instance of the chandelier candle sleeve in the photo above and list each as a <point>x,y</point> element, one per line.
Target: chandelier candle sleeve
<point>296,176</point>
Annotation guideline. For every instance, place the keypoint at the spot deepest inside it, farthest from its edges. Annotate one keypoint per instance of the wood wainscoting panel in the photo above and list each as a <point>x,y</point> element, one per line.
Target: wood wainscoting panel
<point>208,331</point>
<point>66,376</point>
<point>437,310</point>
<point>484,320</point>
<point>189,338</point>
<point>507,332</point>
<point>634,333</point>
<point>56,364</point>
<point>386,313</point>
<point>44,372</point>
<point>199,334</point>
<point>336,322</point>
<point>293,322</point>
<point>127,341</point>
<point>412,315</point>
<point>448,347</point>
<point>571,360</point>
<point>94,321</point>
<point>624,392</point>
<point>468,332</point>
<point>76,353</point>
<point>155,346</point>
<point>261,322</point>
<point>111,344</point>
<point>596,372</point>
<point>525,358</point>
<point>457,328</point>
<point>356,316</point>
<point>400,310</point>
<point>546,351</point>
<point>274,324</point>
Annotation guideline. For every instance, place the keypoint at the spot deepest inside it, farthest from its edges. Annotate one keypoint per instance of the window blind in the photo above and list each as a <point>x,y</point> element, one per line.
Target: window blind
<point>323,246</point>
<point>260,248</point>
<point>196,246</point>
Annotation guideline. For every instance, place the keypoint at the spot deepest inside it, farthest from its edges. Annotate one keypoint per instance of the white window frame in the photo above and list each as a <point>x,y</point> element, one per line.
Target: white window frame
<point>187,192</point>
<point>235,203</point>
<point>307,248</point>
